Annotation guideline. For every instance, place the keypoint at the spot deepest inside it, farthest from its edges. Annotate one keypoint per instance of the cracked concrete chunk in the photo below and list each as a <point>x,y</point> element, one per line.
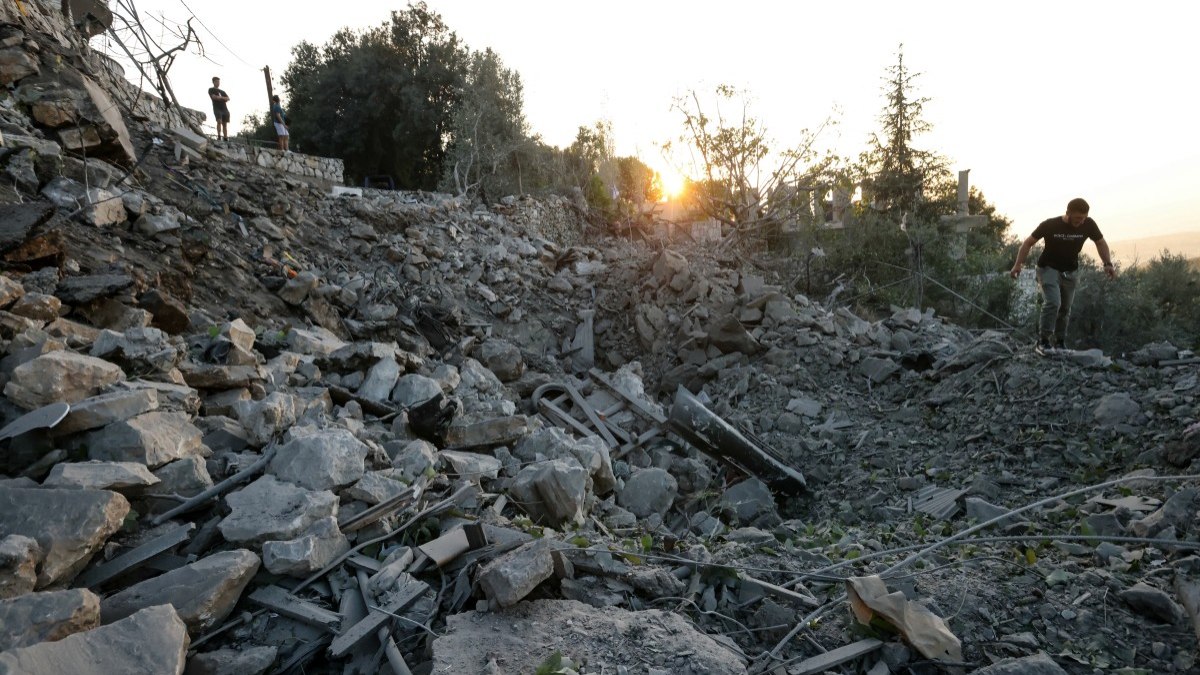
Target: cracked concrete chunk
<point>100,475</point>
<point>152,642</point>
<point>19,558</point>
<point>553,492</point>
<point>69,525</point>
<point>322,460</point>
<point>46,617</point>
<point>270,509</point>
<point>320,544</point>
<point>202,593</point>
<point>60,376</point>
<point>512,576</point>
<point>153,438</point>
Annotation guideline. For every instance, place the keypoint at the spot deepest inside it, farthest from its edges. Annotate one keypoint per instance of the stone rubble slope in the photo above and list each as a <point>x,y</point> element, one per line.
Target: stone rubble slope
<point>365,367</point>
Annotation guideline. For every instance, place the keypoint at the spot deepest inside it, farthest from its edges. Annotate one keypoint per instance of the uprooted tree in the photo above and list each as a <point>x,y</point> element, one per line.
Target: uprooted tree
<point>739,180</point>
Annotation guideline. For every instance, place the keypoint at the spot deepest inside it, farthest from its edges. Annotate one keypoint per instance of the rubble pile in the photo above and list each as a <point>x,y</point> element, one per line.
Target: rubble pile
<point>251,427</point>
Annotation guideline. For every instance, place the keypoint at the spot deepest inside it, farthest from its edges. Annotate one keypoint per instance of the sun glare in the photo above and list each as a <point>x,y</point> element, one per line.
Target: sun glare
<point>672,183</point>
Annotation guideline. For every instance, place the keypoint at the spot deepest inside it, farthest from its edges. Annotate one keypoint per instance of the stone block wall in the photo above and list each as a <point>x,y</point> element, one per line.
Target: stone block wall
<point>324,170</point>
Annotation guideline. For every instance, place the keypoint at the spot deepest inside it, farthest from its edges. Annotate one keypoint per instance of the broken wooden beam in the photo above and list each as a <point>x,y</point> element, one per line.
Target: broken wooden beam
<point>375,620</point>
<point>280,601</point>
<point>134,558</point>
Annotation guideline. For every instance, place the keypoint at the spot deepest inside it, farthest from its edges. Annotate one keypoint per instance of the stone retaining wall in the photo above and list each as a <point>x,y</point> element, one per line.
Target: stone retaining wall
<point>325,170</point>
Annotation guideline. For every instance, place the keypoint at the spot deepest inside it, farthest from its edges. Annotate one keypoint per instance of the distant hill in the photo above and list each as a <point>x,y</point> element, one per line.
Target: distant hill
<point>1141,251</point>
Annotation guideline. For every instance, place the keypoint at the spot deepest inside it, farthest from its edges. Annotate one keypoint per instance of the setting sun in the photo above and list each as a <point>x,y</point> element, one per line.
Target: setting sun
<point>672,182</point>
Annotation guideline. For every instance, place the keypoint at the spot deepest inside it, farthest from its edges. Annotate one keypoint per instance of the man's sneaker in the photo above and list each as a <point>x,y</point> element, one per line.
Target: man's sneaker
<point>1043,347</point>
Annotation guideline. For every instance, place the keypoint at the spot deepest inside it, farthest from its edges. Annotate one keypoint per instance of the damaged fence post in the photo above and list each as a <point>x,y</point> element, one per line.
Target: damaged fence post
<point>718,439</point>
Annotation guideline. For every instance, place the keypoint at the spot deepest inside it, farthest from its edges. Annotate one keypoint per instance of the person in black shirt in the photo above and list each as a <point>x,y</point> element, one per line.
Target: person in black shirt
<point>220,110</point>
<point>1057,265</point>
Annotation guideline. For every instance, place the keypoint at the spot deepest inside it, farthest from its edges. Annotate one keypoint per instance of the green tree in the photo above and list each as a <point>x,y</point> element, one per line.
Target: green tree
<point>897,172</point>
<point>488,130</point>
<point>381,99</point>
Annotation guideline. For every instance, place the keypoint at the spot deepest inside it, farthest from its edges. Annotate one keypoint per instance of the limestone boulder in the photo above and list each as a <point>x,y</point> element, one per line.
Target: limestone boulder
<point>268,418</point>
<point>322,460</point>
<point>472,466</point>
<point>202,593</point>
<point>512,576</point>
<point>554,443</point>
<point>69,525</point>
<point>412,389</point>
<point>152,642</point>
<point>380,380</point>
<point>648,491</point>
<point>46,617</point>
<point>100,207</point>
<point>37,306</point>
<point>376,486</point>
<point>320,544</point>
<point>142,349</point>
<point>60,376</point>
<point>153,438</point>
<point>99,411</point>
<point>503,358</point>
<point>270,509</point>
<point>553,492</point>
<point>100,475</point>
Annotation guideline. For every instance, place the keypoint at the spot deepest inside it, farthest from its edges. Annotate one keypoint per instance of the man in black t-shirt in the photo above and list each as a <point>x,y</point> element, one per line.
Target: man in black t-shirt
<point>220,110</point>
<point>1057,265</point>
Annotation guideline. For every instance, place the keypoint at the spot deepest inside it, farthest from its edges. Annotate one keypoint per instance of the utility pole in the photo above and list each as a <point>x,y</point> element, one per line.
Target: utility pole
<point>270,92</point>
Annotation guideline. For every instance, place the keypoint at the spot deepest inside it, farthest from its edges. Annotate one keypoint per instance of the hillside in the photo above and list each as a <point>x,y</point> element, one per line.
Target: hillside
<point>1140,251</point>
<point>254,427</point>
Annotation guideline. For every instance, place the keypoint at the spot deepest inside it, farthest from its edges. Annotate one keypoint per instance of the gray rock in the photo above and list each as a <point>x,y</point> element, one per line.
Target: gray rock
<point>18,221</point>
<point>202,593</point>
<point>141,349</point>
<point>153,438</point>
<point>981,511</point>
<point>412,389</point>
<point>11,290</point>
<point>1038,664</point>
<point>553,492</point>
<point>268,418</point>
<point>805,407</point>
<point>380,380</point>
<point>878,370</point>
<point>220,378</point>
<point>185,477</point>
<point>60,376</point>
<point>45,617</point>
<point>1105,524</point>
<point>503,358</point>
<point>81,290</point>
<point>475,379</point>
<point>100,475</point>
<point>102,410</point>
<point>746,501</point>
<point>152,642</point>
<point>648,491</point>
<point>414,458</point>
<point>270,509</point>
<point>554,443</point>
<point>321,460</point>
<point>727,334</point>
<point>1176,512</point>
<point>1116,409</point>
<point>487,433</point>
<point>252,661</point>
<point>315,341</point>
<point>151,224</point>
<point>37,306</point>
<point>471,465</point>
<point>296,290</point>
<point>99,207</point>
<point>320,544</point>
<point>375,487</point>
<point>512,576</point>
<point>68,525</point>
<point>1152,603</point>
<point>170,396</point>
<point>19,558</point>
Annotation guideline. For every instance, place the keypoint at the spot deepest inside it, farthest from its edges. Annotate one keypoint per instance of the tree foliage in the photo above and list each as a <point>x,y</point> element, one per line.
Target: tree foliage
<point>382,99</point>
<point>739,180</point>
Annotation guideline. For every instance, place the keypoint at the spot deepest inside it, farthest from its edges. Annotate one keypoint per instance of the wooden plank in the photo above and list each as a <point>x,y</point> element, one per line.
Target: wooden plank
<point>136,557</point>
<point>281,602</point>
<point>837,657</point>
<point>379,616</point>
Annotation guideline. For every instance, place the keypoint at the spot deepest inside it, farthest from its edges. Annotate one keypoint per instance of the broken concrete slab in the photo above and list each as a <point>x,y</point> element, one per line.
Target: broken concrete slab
<point>202,593</point>
<point>152,642</point>
<point>19,558</point>
<point>320,545</point>
<point>46,617</point>
<point>471,465</point>
<point>321,460</point>
<point>60,376</point>
<point>69,525</point>
<point>512,576</point>
<point>153,438</point>
<point>98,475</point>
<point>648,491</point>
<point>523,636</point>
<point>270,509</point>
<point>99,411</point>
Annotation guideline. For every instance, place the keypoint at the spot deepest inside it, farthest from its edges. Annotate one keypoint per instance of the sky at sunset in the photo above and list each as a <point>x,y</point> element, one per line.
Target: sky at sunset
<point>1043,101</point>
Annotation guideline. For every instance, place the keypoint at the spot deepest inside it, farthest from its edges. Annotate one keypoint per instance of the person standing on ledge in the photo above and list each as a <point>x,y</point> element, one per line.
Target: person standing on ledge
<point>220,109</point>
<point>280,120</point>
<point>1057,266</point>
